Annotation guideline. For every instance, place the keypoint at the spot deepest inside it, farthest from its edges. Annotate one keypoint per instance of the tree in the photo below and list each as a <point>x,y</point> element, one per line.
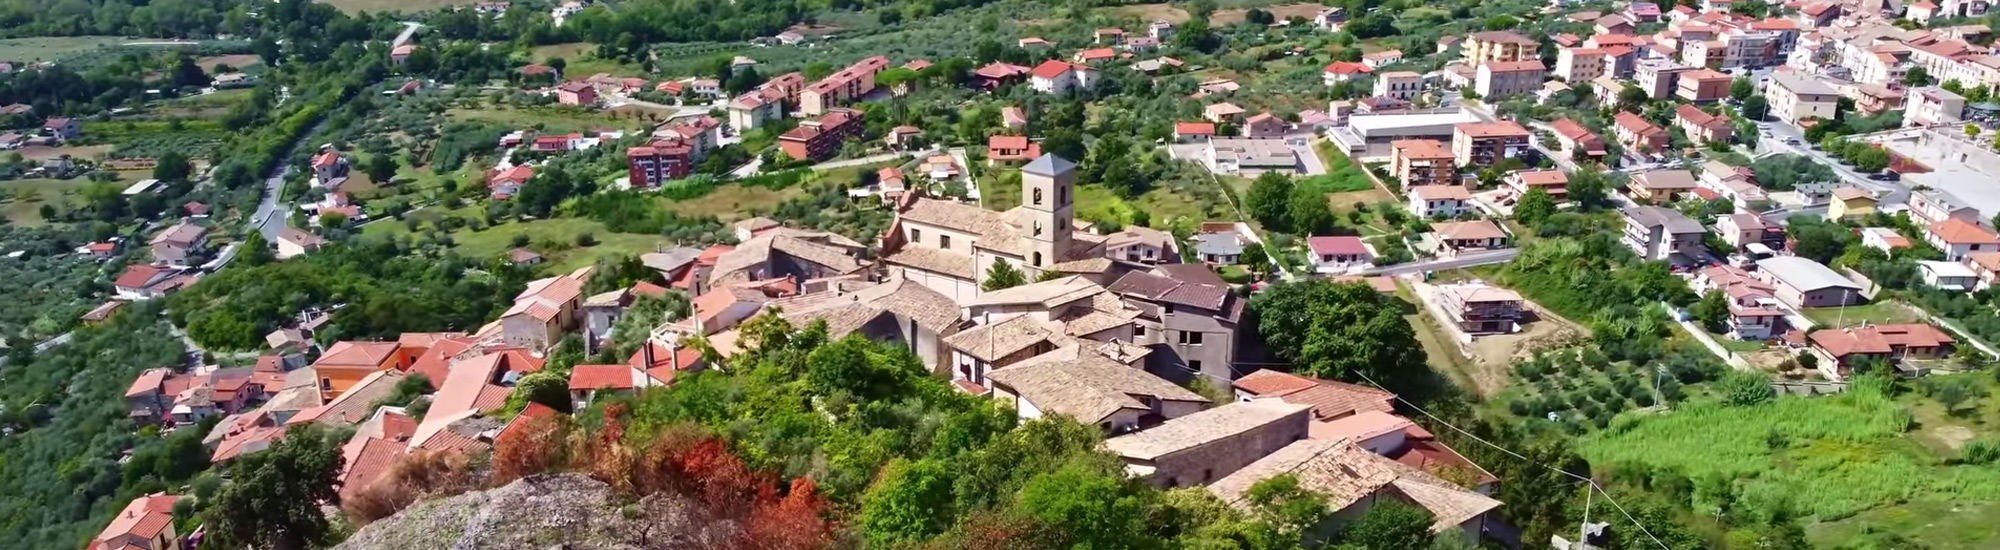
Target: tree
<point>1589,188</point>
<point>1742,88</point>
<point>1817,239</point>
<point>912,502</point>
<point>1269,199</point>
<point>1917,76</point>
<point>1972,130</point>
<point>187,73</point>
<point>1309,213</point>
<point>1002,275</point>
<point>1713,311</point>
<point>1079,506</point>
<point>1630,98</point>
<point>1254,256</point>
<point>381,168</point>
<point>255,251</point>
<point>1870,159</point>
<point>1390,525</point>
<point>1745,388</point>
<point>1334,330</point>
<point>275,496</point>
<point>548,387</point>
<point>1535,207</point>
<point>173,166</point>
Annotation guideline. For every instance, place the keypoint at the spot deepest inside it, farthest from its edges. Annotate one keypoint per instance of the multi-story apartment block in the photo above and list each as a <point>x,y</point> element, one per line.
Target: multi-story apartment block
<point>1419,162</point>
<point>1579,65</point>
<point>1481,47</point>
<point>820,138</point>
<point>1932,105</point>
<point>1403,85</point>
<point>1795,97</point>
<point>1485,143</point>
<point>1702,86</point>
<point>651,165</point>
<point>843,87</point>
<point>1659,78</point>
<point>1499,80</point>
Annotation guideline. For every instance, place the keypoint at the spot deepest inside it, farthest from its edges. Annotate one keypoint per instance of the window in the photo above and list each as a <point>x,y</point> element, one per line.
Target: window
<point>326,384</point>
<point>1062,195</point>
<point>916,236</point>
<point>1038,197</point>
<point>1038,229</point>
<point>1194,366</point>
<point>1169,308</point>
<point>1138,331</point>
<point>1190,338</point>
<point>944,241</point>
<point>1038,259</point>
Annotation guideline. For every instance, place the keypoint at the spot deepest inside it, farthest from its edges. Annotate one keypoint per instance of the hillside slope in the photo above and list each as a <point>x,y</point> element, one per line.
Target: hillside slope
<point>571,512</point>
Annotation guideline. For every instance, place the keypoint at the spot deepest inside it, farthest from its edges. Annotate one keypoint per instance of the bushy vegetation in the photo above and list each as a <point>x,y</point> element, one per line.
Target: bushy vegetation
<point>1586,387</point>
<point>65,412</point>
<point>382,293</point>
<point>1823,457</point>
<point>49,285</point>
<point>1782,172</point>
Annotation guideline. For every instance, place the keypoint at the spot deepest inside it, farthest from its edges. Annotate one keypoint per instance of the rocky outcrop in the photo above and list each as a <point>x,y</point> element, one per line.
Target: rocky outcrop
<point>551,512</point>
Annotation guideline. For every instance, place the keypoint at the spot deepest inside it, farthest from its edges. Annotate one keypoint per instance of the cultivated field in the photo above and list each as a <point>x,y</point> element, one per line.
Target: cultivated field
<point>379,6</point>
<point>1281,11</point>
<point>52,48</point>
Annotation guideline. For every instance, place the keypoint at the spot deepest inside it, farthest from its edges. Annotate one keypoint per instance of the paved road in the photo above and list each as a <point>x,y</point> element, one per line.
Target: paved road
<point>1469,259</point>
<point>885,157</point>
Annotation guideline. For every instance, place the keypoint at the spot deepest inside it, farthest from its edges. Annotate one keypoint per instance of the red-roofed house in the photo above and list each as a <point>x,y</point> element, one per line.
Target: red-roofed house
<point>63,128</point>
<point>1265,125</point>
<point>1957,238</point>
<point>1553,182</point>
<point>1365,415</point>
<point>146,523</point>
<point>1838,349</point>
<point>1193,131</point>
<point>543,311</point>
<point>576,93</point>
<point>347,362</point>
<point>1011,150</point>
<point>1059,77</point>
<point>586,382</point>
<point>142,282</point>
<point>504,184</point>
<point>1097,55</point>
<point>1342,71</point>
<point>663,364</point>
<point>1701,127</point>
<point>1577,141</point>
<point>1638,134</point>
<point>1339,254</point>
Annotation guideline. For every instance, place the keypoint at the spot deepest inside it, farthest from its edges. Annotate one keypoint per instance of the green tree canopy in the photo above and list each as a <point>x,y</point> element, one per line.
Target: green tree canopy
<point>274,498</point>
<point>1002,275</point>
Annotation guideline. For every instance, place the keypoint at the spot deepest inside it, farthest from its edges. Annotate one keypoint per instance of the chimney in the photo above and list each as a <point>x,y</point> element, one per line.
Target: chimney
<point>646,354</point>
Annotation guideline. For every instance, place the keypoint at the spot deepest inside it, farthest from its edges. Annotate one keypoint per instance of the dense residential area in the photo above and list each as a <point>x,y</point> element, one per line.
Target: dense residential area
<point>929,274</point>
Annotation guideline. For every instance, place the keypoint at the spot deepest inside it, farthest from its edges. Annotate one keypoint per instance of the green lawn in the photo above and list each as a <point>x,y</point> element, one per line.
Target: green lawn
<point>733,202</point>
<point>52,48</point>
<point>1877,313</point>
<point>26,197</point>
<point>548,119</point>
<point>580,60</point>
<point>1849,464</point>
<point>555,240</point>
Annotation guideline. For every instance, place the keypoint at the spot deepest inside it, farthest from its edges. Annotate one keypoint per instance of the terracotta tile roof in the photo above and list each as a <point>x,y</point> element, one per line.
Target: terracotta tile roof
<point>1505,128</point>
<point>148,382</point>
<point>1052,69</point>
<point>142,519</point>
<point>353,405</point>
<point>603,377</point>
<point>356,354</point>
<point>1086,386</point>
<point>662,368</point>
<point>1329,399</point>
<point>1540,178</point>
<point>374,458</point>
<point>1469,230</point>
<point>1164,289</point>
<point>1421,149</point>
<point>1345,67</point>
<point>138,275</point>
<point>1194,128</point>
<point>995,341</point>
<point>1337,245</point>
<point>1878,339</point>
<point>1348,474</point>
<point>1956,231</point>
<point>1201,428</point>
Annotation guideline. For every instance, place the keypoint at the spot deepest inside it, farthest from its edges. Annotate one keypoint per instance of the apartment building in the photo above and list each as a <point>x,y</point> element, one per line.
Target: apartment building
<point>1577,141</point>
<point>1638,134</point>
<point>1659,78</point>
<point>1659,233</point>
<point>1499,80</point>
<point>819,139</point>
<point>1403,85</point>
<point>1578,65</point>
<point>1702,86</point>
<point>1420,162</point>
<point>1481,47</point>
<point>1795,97</point>
<point>1932,105</point>
<point>649,166</point>
<point>1484,143</point>
<point>1701,127</point>
<point>843,87</point>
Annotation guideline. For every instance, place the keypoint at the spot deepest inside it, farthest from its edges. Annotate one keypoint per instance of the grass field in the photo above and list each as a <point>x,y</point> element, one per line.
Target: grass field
<point>581,62</point>
<point>52,48</point>
<point>1281,12</point>
<point>731,202</point>
<point>1851,464</point>
<point>1877,313</point>
<point>552,239</point>
<point>26,197</point>
<point>380,6</point>
<point>237,61</point>
<point>549,119</point>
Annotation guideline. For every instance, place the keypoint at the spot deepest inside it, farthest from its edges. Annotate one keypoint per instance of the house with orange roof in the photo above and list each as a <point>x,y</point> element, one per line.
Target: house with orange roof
<point>1185,132</point>
<point>1577,142</point>
<point>474,386</point>
<point>1002,149</point>
<point>347,362</point>
<point>1096,55</point>
<point>663,363</point>
<point>1060,77</point>
<point>1839,349</point>
<point>1638,134</point>
<point>1343,71</point>
<point>1754,312</point>
<point>146,523</point>
<point>1701,127</point>
<point>587,382</point>
<point>1554,182</point>
<point>544,310</point>
<point>1958,238</point>
<point>1265,126</point>
<point>1363,414</point>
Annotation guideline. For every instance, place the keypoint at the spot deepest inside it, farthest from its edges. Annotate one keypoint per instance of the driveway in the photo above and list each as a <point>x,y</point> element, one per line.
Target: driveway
<point>1469,259</point>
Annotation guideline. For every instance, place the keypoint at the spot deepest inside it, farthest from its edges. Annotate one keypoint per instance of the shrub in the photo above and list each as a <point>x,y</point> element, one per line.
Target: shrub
<point>1985,450</point>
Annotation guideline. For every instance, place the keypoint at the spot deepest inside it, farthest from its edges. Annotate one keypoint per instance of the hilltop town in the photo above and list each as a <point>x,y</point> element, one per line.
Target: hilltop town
<point>921,274</point>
